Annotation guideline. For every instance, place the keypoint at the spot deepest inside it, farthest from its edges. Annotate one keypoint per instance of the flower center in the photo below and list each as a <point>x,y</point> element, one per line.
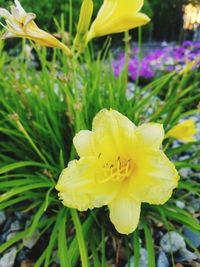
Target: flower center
<point>117,171</point>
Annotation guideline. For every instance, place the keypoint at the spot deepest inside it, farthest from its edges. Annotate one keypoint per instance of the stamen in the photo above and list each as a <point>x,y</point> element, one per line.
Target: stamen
<point>116,172</point>
<point>128,166</point>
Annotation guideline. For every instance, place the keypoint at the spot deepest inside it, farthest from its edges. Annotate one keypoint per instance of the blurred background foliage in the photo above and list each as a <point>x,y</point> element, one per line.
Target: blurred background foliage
<point>166,15</point>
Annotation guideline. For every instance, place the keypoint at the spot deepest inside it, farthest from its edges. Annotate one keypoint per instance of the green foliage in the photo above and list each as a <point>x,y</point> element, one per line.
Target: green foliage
<point>41,110</point>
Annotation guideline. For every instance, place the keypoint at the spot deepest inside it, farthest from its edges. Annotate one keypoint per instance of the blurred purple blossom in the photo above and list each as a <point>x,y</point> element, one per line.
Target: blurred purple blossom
<point>158,61</point>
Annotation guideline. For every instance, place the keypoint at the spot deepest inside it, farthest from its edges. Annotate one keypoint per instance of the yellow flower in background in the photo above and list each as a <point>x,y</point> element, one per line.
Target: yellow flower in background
<point>184,131</point>
<point>117,16</point>
<point>121,166</point>
<point>21,24</point>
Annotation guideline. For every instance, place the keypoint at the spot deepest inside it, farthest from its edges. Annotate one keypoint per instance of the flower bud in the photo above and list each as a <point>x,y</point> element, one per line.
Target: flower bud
<point>83,24</point>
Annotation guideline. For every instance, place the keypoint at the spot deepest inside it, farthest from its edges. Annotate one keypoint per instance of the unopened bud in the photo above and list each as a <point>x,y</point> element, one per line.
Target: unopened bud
<point>83,24</point>
<point>85,17</point>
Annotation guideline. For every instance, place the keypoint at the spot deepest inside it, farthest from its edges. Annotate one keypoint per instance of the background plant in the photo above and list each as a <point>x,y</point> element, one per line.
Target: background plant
<point>158,61</point>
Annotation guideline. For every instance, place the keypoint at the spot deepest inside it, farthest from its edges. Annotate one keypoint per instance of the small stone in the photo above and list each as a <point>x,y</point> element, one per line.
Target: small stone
<point>185,172</point>
<point>143,259</point>
<point>15,226</point>
<point>131,262</point>
<point>175,144</point>
<point>186,255</point>
<point>8,259</point>
<point>26,263</point>
<point>30,241</point>
<point>182,158</point>
<point>172,242</point>
<point>180,204</point>
<point>195,203</point>
<point>190,209</point>
<point>162,260</point>
<point>20,215</point>
<point>2,217</point>
<point>192,236</point>
<point>179,265</point>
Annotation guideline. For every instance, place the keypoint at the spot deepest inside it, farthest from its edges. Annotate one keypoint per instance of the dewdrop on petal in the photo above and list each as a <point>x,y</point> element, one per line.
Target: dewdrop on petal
<point>120,166</point>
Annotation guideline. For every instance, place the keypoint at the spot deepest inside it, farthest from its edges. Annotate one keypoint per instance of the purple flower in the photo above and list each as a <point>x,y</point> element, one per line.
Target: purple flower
<point>187,44</point>
<point>157,61</point>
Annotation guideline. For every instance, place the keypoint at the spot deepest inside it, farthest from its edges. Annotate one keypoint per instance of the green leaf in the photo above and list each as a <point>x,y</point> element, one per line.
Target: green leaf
<point>20,164</point>
<point>136,248</point>
<point>62,241</point>
<point>94,250</point>
<point>18,190</point>
<point>103,247</point>
<point>188,220</point>
<point>52,242</point>
<point>14,201</point>
<point>80,238</point>
<point>149,244</point>
<point>36,218</point>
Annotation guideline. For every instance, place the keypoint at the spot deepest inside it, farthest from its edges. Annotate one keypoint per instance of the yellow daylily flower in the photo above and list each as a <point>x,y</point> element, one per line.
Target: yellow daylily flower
<point>184,131</point>
<point>121,166</point>
<point>21,24</point>
<point>117,16</point>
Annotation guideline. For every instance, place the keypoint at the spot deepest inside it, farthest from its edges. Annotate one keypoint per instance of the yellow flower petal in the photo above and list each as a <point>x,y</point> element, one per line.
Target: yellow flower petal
<point>184,131</point>
<point>109,126</point>
<point>135,5</point>
<point>124,213</point>
<point>150,134</point>
<point>83,143</point>
<point>116,16</point>
<point>155,178</point>
<point>114,119</point>
<point>28,18</point>
<point>79,185</point>
<point>20,8</point>
<point>117,25</point>
<point>4,13</point>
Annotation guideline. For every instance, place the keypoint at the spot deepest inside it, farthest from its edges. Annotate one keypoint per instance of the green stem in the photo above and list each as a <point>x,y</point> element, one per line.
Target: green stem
<point>139,56</point>
<point>80,238</point>
<point>70,18</point>
<point>127,57</point>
